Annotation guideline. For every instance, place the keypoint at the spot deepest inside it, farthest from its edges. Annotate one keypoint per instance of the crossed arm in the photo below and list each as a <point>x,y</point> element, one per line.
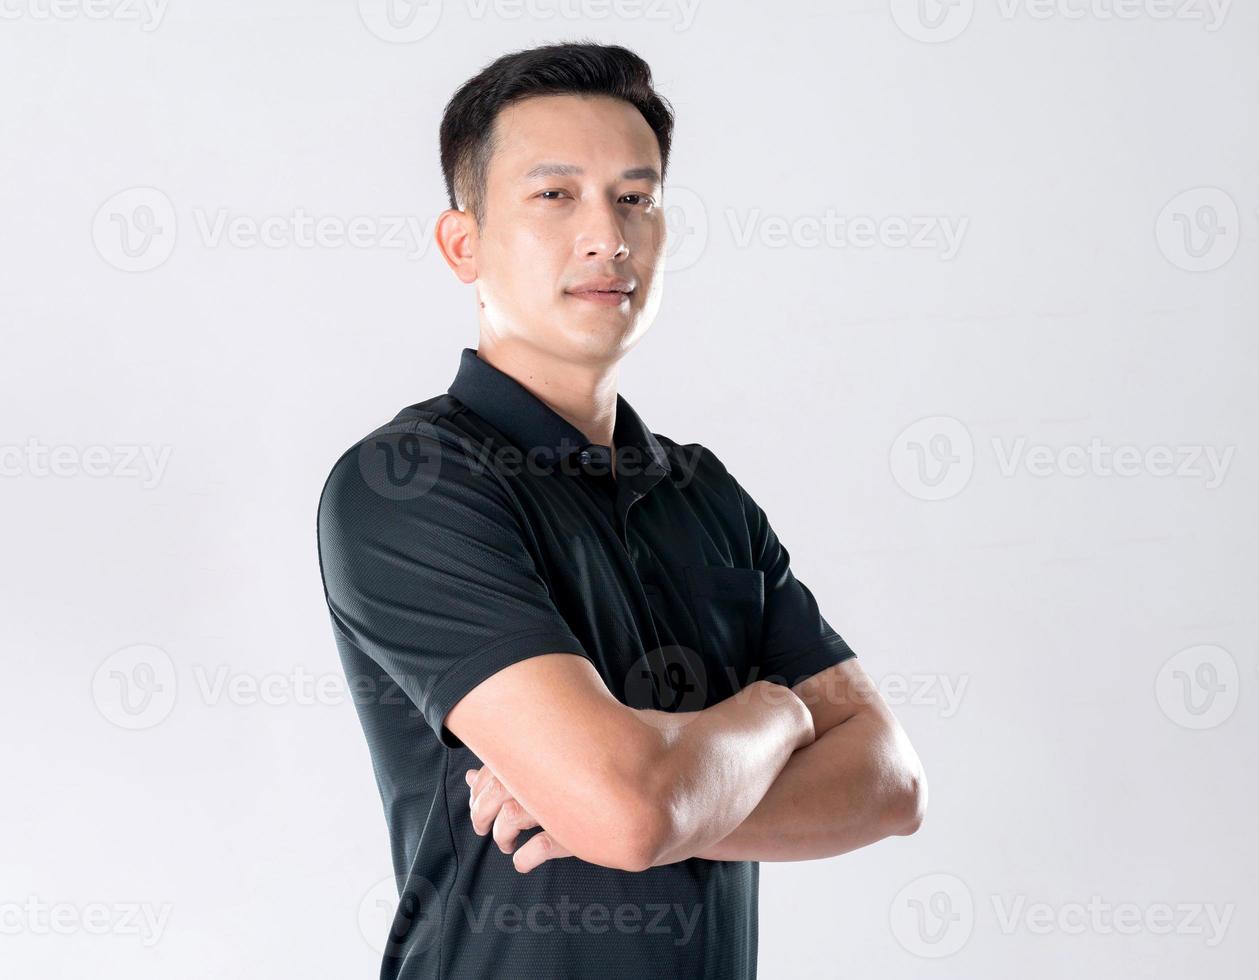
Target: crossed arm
<point>770,774</point>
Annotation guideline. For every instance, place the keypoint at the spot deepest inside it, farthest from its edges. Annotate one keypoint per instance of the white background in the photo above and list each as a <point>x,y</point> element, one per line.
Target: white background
<point>1103,162</point>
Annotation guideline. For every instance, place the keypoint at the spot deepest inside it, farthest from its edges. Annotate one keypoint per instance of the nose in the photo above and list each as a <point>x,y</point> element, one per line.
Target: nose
<point>601,235</point>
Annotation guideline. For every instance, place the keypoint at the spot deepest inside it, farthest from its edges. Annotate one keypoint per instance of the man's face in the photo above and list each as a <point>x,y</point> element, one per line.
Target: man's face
<point>572,201</point>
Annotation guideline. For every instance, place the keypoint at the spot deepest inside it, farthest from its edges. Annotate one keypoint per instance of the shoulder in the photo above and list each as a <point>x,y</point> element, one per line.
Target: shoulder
<point>697,468</point>
<point>425,448</point>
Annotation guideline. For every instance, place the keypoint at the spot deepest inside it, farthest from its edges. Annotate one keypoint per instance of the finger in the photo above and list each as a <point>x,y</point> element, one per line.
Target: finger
<point>538,849</point>
<point>485,805</point>
<point>476,779</point>
<point>511,820</point>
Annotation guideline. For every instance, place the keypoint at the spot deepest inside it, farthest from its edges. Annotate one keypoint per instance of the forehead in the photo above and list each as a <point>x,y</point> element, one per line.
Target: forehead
<point>596,133</point>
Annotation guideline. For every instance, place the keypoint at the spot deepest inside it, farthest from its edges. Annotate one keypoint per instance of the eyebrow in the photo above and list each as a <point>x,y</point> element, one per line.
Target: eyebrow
<point>572,170</point>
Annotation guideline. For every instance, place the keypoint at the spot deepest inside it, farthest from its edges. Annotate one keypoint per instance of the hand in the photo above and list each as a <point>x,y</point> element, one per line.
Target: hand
<point>493,807</point>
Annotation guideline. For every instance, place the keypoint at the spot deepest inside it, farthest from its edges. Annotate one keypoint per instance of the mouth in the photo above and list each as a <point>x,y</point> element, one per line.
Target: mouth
<point>603,297</point>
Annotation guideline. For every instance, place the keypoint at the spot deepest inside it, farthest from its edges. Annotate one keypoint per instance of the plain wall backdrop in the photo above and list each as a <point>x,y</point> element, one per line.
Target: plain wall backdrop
<point>964,293</point>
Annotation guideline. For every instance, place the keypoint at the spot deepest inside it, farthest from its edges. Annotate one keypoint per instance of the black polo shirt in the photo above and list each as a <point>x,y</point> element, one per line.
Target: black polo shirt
<point>479,528</point>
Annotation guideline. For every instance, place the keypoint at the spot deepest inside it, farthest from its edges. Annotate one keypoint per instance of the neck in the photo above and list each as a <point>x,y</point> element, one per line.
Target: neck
<point>584,395</point>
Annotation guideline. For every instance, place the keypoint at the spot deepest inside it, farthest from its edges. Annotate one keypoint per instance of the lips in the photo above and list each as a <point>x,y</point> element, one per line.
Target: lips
<point>602,297</point>
<point>606,286</point>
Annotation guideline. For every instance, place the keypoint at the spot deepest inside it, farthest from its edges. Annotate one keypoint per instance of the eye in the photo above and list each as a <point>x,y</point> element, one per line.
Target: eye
<point>645,199</point>
<point>544,193</point>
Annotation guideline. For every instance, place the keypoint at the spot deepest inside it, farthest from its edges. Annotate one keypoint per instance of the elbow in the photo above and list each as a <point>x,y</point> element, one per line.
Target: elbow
<point>636,827</point>
<point>619,831</point>
<point>650,829</point>
<point>909,804</point>
<point>643,835</point>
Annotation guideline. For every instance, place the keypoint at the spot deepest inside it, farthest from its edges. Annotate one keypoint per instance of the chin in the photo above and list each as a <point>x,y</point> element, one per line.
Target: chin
<point>601,343</point>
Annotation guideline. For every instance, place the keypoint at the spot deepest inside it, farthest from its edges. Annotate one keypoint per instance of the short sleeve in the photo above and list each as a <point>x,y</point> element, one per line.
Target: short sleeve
<point>426,570</point>
<point>796,641</point>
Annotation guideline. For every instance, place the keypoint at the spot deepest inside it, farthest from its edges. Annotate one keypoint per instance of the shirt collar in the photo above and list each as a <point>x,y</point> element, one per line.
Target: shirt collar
<point>529,422</point>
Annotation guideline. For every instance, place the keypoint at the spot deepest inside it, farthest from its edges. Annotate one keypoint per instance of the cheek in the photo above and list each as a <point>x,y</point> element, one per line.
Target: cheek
<point>537,264</point>
<point>513,264</point>
<point>647,239</point>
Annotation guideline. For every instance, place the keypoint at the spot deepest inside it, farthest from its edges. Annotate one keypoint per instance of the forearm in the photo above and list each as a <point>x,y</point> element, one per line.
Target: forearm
<point>718,763</point>
<point>858,783</point>
<point>744,780</point>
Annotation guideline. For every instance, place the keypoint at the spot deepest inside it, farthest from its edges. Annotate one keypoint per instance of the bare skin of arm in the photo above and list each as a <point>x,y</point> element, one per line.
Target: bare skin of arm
<point>616,786</point>
<point>857,782</point>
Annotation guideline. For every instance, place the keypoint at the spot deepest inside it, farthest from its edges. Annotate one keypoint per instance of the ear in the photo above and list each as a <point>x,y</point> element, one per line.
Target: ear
<point>456,236</point>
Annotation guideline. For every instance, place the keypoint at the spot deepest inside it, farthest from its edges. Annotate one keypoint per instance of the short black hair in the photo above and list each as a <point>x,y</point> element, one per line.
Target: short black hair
<point>585,68</point>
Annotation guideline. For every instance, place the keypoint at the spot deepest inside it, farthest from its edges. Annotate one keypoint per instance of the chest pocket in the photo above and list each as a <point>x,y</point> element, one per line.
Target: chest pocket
<point>728,606</point>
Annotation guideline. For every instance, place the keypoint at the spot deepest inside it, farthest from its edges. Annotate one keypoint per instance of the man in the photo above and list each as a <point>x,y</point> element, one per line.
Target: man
<point>594,693</point>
